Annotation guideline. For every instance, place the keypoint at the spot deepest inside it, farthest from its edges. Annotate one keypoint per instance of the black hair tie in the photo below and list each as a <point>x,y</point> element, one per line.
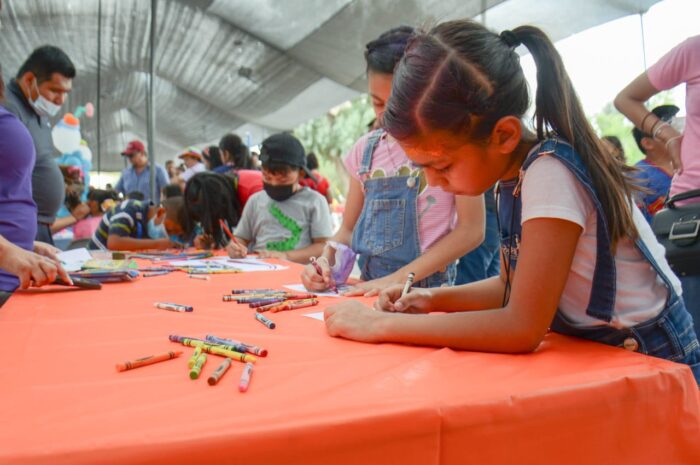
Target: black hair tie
<point>510,39</point>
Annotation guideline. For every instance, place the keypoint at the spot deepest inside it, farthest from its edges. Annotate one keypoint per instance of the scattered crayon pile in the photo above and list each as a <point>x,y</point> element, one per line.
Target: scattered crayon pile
<point>228,348</point>
<point>264,300</point>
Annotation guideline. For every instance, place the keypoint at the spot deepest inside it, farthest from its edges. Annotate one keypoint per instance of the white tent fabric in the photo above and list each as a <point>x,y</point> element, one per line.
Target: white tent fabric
<point>253,67</point>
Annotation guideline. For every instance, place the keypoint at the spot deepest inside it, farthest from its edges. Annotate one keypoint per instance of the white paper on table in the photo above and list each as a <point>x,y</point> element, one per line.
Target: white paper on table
<point>73,260</point>
<point>301,288</point>
<point>315,316</point>
<point>224,263</point>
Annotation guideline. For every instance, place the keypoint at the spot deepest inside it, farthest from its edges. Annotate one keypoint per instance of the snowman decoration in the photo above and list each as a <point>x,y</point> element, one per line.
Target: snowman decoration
<point>75,154</point>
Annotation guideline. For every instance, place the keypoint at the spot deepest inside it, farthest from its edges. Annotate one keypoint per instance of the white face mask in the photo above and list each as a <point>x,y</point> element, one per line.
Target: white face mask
<point>42,105</point>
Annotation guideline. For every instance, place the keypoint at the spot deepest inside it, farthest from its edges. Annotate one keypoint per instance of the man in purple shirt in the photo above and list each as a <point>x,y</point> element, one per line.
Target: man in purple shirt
<point>19,267</point>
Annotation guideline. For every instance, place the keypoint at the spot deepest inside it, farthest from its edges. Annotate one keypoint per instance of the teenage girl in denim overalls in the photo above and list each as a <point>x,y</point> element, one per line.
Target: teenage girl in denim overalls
<point>392,220</point>
<point>458,99</point>
<point>386,234</point>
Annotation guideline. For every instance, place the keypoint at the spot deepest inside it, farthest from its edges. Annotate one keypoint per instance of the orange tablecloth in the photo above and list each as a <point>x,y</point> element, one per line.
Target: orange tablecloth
<point>315,399</point>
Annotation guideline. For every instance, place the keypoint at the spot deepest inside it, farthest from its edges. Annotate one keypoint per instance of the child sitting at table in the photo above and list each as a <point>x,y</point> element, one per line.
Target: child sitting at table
<point>134,225</point>
<point>99,201</point>
<point>285,220</point>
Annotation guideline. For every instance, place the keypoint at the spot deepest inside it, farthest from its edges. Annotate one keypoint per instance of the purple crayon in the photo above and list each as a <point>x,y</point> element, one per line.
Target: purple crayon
<point>253,291</point>
<point>251,349</point>
<point>266,302</point>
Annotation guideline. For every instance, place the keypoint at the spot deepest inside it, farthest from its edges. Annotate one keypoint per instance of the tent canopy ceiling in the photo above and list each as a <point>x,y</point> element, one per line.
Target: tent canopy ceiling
<point>236,65</point>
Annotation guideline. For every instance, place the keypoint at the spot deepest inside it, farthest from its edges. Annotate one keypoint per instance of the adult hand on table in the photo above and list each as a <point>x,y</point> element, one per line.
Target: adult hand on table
<point>46,250</point>
<point>352,320</point>
<point>32,269</point>
<point>417,301</point>
<point>314,281</point>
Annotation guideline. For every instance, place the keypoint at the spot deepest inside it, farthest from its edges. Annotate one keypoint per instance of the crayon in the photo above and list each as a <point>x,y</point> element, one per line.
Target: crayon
<point>253,291</point>
<point>266,302</point>
<point>151,359</point>
<point>173,307</point>
<point>198,276</point>
<point>409,283</point>
<point>195,355</point>
<point>301,296</point>
<point>267,322</point>
<point>245,377</point>
<point>150,274</point>
<point>176,338</point>
<point>197,368</point>
<point>292,305</point>
<point>216,376</point>
<point>218,350</point>
<point>203,345</point>
<point>251,349</point>
<point>228,232</point>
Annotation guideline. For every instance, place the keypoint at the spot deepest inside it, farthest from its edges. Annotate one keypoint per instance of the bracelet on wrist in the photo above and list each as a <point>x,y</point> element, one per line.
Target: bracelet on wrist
<point>641,126</point>
<point>655,135</point>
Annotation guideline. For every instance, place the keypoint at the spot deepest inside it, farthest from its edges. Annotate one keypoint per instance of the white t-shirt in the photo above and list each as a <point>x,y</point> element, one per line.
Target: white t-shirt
<point>550,190</point>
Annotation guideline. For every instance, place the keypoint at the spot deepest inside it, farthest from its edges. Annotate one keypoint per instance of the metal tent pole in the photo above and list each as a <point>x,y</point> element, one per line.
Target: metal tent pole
<point>151,103</point>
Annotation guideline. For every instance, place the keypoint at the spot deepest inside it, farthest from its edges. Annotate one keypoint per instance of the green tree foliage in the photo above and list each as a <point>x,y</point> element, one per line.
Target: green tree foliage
<point>330,137</point>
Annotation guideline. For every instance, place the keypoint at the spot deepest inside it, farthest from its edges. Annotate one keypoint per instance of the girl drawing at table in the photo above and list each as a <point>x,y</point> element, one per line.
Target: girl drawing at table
<point>577,255</point>
<point>393,219</point>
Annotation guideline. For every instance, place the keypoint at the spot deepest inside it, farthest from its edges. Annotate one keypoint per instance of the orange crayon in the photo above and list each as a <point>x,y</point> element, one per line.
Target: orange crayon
<point>293,305</point>
<point>151,359</point>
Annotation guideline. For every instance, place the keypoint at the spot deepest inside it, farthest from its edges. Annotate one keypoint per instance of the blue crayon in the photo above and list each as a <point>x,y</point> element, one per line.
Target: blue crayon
<point>264,320</point>
<point>251,349</point>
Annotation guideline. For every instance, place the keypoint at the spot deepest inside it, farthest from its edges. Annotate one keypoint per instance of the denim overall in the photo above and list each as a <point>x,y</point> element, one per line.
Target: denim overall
<point>670,335</point>
<point>386,234</point>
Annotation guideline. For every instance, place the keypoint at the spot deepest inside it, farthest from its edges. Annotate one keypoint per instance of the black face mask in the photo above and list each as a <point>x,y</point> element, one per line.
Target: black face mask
<point>279,193</point>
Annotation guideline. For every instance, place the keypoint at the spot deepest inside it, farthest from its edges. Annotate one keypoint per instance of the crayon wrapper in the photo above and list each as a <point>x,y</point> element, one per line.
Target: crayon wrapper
<point>344,261</point>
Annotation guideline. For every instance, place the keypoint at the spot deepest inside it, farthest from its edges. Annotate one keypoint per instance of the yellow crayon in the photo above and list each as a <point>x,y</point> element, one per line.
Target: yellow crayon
<point>197,368</point>
<point>219,350</point>
<point>195,355</point>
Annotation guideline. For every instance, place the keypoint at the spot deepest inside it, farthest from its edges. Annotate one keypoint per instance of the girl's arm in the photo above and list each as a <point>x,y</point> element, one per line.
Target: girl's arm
<point>353,207</point>
<point>467,235</point>
<point>546,253</point>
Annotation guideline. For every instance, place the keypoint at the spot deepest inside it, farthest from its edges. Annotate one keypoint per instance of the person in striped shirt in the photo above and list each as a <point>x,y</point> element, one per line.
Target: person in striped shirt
<point>135,225</point>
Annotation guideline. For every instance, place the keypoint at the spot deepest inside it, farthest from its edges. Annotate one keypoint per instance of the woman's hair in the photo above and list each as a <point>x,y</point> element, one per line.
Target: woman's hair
<point>311,161</point>
<point>214,157</point>
<point>383,53</point>
<point>210,197</point>
<point>240,155</point>
<point>462,78</point>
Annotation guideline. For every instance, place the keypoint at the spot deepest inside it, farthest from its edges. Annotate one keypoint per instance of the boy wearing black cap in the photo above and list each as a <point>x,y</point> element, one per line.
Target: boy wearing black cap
<point>655,170</point>
<point>285,220</point>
